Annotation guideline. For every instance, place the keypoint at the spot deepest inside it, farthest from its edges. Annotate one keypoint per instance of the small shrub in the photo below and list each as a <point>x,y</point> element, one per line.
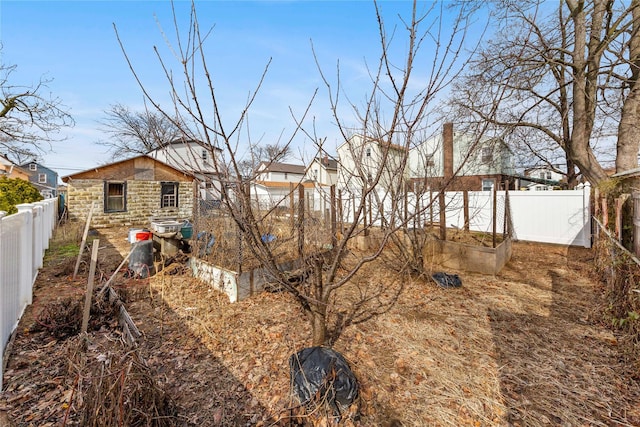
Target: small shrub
<point>14,191</point>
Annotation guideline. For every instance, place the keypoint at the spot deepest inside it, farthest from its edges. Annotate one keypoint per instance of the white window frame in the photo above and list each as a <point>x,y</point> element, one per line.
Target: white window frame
<point>491,183</point>
<point>42,178</point>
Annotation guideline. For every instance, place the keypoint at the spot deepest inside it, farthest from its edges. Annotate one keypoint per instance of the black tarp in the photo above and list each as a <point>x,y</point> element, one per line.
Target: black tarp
<point>321,374</point>
<point>446,280</point>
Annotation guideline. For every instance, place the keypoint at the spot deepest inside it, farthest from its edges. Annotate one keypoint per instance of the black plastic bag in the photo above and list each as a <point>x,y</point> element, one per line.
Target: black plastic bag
<point>321,374</point>
<point>447,280</point>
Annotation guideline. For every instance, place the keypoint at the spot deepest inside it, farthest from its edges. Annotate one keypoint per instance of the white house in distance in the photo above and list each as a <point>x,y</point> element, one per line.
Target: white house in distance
<point>361,160</point>
<point>274,181</point>
<point>280,172</point>
<point>541,178</point>
<point>195,158</point>
<point>323,171</point>
<point>477,163</point>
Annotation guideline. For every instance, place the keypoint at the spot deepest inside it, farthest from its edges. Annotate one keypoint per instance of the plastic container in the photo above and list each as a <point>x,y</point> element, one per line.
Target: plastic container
<point>186,231</point>
<point>143,235</point>
<point>166,226</point>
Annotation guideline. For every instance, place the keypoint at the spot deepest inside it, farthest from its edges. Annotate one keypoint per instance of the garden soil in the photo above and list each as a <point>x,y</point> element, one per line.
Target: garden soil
<point>527,347</point>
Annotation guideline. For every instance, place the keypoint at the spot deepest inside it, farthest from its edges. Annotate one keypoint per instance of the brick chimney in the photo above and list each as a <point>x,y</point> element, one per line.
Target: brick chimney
<point>447,149</point>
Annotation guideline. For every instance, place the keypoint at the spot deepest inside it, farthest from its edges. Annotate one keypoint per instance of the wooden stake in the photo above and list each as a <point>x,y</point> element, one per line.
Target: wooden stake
<point>334,225</point>
<point>92,272</point>
<point>443,217</point>
<point>465,201</point>
<point>84,241</point>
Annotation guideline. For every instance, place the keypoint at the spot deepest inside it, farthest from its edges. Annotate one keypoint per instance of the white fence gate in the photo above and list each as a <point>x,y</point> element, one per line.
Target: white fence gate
<point>24,237</point>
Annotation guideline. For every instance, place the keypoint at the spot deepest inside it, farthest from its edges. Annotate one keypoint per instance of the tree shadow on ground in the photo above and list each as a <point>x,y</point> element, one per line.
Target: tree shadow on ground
<point>560,368</point>
<point>206,392</point>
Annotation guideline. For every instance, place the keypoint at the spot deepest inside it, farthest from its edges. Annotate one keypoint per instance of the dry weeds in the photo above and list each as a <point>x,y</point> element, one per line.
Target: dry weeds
<point>523,348</point>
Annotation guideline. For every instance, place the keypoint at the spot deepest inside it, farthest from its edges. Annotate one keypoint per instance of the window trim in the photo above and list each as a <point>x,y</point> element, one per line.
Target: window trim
<point>486,154</point>
<point>42,178</point>
<point>488,180</point>
<point>33,167</point>
<point>176,187</point>
<point>106,196</point>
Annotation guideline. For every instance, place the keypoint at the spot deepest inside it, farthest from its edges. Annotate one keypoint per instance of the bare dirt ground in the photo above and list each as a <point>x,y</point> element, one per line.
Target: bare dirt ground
<point>523,348</point>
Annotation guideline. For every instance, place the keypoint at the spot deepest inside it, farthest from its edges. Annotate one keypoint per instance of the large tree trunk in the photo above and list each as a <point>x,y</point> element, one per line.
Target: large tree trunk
<point>585,77</point>
<point>629,128</point>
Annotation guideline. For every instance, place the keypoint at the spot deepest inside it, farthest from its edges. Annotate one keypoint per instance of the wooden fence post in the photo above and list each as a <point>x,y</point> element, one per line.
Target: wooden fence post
<point>334,226</point>
<point>619,205</point>
<point>443,217</point>
<point>495,214</point>
<point>92,272</point>
<point>300,220</point>
<point>636,223</point>
<point>84,241</point>
<point>605,213</point>
<point>292,206</point>
<point>340,212</point>
<point>465,202</point>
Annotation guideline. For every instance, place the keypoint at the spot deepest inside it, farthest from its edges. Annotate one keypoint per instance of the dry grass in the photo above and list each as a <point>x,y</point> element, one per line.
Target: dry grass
<point>523,348</point>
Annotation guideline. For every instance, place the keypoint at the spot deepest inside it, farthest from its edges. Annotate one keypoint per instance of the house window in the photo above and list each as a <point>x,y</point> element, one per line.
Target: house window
<point>286,175</point>
<point>204,155</point>
<point>169,195</point>
<point>33,167</point>
<point>368,152</point>
<point>487,154</point>
<point>542,175</point>
<point>115,196</point>
<point>315,174</point>
<point>430,162</point>
<point>548,175</point>
<point>42,178</point>
<point>487,184</point>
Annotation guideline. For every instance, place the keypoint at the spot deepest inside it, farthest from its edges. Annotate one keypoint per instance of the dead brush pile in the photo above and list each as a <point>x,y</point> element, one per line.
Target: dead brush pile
<point>620,275</point>
<point>115,387</point>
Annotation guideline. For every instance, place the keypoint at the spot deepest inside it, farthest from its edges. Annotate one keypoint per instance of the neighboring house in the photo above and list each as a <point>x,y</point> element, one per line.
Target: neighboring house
<point>323,171</point>
<point>271,194</point>
<point>361,160</point>
<point>461,162</point>
<point>11,170</point>
<point>274,182</point>
<point>195,158</point>
<point>280,172</point>
<point>130,192</point>
<point>43,178</point>
<point>540,178</point>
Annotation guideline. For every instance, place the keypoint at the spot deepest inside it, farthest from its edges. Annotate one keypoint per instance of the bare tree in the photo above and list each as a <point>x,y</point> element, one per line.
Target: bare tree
<point>137,132</point>
<point>327,285</point>
<point>258,153</point>
<point>563,76</point>
<point>29,116</point>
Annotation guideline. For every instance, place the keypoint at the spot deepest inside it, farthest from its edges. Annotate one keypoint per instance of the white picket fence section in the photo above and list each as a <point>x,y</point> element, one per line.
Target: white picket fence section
<point>24,237</point>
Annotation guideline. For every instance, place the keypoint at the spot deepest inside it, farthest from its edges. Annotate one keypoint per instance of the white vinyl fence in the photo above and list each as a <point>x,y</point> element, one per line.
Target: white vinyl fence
<point>24,237</point>
<point>561,217</point>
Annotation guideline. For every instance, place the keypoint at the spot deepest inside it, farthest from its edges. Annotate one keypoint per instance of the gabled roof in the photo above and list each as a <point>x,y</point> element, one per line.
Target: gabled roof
<point>285,184</point>
<point>376,141</point>
<point>327,163</point>
<point>281,167</point>
<point>186,141</point>
<point>96,170</point>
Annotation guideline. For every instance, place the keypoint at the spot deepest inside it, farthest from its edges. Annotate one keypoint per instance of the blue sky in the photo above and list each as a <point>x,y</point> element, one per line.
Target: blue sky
<point>74,43</point>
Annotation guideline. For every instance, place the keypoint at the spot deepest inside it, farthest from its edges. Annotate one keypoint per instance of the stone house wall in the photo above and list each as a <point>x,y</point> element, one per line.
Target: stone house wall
<point>143,202</point>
